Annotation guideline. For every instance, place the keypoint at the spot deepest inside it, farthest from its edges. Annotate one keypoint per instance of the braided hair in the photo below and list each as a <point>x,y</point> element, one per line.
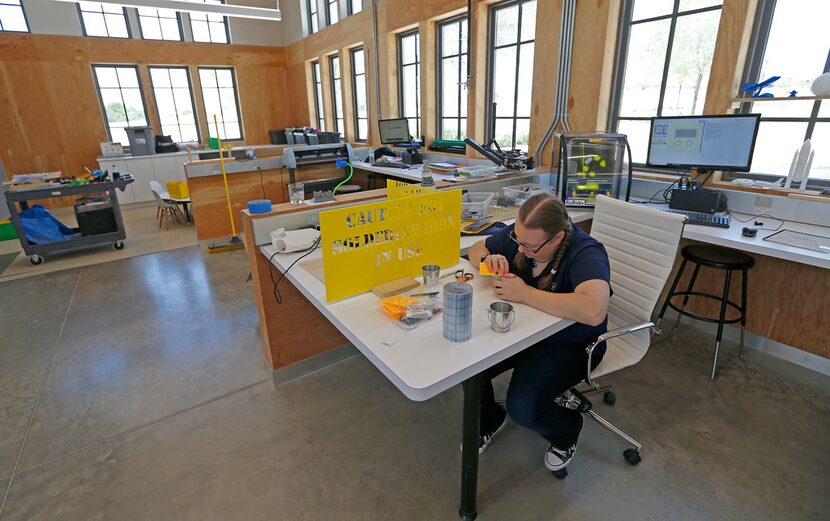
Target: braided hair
<point>544,212</point>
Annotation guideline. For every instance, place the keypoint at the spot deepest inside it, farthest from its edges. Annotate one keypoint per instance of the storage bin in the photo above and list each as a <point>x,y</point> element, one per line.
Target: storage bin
<point>474,205</point>
<point>516,195</point>
<point>277,137</point>
<point>477,170</point>
<point>7,231</point>
<point>142,140</point>
<point>178,189</point>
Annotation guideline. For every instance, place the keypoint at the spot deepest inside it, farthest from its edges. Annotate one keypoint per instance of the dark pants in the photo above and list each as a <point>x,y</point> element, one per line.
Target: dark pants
<point>540,374</point>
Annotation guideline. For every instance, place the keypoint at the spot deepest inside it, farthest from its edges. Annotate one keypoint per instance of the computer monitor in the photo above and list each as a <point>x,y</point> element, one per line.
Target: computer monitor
<point>723,142</point>
<point>393,131</point>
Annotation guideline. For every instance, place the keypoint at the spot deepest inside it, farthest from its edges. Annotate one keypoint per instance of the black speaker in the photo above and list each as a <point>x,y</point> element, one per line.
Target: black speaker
<point>701,201</point>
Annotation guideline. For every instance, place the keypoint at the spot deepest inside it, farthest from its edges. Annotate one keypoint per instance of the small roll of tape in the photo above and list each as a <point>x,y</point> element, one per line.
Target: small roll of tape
<point>259,206</point>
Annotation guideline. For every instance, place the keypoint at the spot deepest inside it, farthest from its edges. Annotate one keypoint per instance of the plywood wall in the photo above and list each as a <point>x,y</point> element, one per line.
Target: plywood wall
<point>49,107</point>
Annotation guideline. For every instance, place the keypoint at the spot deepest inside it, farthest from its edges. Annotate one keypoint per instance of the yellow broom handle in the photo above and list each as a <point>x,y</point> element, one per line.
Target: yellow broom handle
<point>224,174</point>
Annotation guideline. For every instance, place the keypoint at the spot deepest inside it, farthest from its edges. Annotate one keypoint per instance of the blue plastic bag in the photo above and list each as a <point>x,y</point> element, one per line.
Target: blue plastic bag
<point>41,227</point>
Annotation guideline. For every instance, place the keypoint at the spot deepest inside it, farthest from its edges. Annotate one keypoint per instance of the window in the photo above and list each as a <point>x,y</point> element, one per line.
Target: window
<point>355,6</point>
<point>103,20</point>
<point>512,44</point>
<point>452,79</point>
<point>786,124</point>
<point>318,95</point>
<point>159,24</point>
<point>122,102</point>
<point>313,24</point>
<point>174,102</point>
<point>332,15</point>
<point>337,94</point>
<point>12,17</point>
<point>209,28</point>
<point>361,107</point>
<point>666,55</point>
<point>222,101</point>
<point>408,81</point>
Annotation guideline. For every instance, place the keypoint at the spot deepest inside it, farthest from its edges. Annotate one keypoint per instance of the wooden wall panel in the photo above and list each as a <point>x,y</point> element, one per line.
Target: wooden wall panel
<point>731,49</point>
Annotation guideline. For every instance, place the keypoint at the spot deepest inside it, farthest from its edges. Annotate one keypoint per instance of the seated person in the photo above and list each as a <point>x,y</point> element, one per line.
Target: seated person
<point>546,262</point>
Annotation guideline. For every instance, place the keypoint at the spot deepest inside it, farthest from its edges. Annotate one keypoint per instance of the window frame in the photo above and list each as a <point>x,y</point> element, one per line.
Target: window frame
<point>101,98</point>
<point>334,90</point>
<point>83,25</point>
<point>364,75</point>
<point>25,18</point>
<point>313,19</point>
<point>329,3</point>
<point>489,132</point>
<point>235,96</point>
<point>351,10</point>
<point>620,62</point>
<point>401,87</point>
<point>192,98</point>
<point>439,124</point>
<point>157,17</point>
<point>225,21</point>
<point>316,76</point>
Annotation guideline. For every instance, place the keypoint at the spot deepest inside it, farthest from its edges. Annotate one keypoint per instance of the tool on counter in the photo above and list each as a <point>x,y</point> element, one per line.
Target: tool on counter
<point>235,243</point>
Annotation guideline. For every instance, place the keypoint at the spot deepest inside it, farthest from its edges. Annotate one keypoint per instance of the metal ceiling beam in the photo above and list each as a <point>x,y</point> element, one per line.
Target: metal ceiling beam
<point>236,11</point>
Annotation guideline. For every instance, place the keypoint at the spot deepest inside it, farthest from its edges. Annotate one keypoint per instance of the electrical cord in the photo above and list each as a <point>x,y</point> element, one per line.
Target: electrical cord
<point>277,294</point>
<point>756,218</point>
<point>351,171</point>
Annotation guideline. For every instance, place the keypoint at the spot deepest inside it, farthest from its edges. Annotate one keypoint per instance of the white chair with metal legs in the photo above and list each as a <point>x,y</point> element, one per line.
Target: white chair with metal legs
<point>166,209</point>
<point>642,245</point>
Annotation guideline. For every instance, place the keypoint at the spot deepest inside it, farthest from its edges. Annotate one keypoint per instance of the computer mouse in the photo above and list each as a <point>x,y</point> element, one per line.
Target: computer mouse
<point>749,232</point>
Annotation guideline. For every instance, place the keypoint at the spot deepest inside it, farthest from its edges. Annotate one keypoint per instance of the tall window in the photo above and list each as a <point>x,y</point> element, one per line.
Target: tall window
<point>409,88</point>
<point>159,24</point>
<point>666,55</point>
<point>337,94</point>
<point>174,102</point>
<point>355,6</point>
<point>786,124</point>
<point>122,103</point>
<point>313,24</point>
<point>452,78</point>
<point>103,20</point>
<point>318,95</point>
<point>209,28</point>
<point>361,106</point>
<point>222,101</point>
<point>332,14</point>
<point>12,17</point>
<point>512,41</point>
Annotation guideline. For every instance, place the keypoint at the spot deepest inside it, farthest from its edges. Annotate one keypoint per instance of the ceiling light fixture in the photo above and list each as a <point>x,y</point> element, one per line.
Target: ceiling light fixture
<point>236,11</point>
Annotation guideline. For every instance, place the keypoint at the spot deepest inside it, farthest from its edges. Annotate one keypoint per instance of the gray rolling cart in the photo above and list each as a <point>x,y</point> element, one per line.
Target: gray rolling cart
<point>18,200</point>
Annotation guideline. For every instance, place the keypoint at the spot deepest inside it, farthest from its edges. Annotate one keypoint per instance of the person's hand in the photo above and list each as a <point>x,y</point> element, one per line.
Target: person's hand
<point>510,287</point>
<point>497,264</point>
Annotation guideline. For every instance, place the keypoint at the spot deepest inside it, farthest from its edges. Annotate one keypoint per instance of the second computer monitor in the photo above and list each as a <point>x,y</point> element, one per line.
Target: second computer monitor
<point>704,142</point>
<point>393,131</point>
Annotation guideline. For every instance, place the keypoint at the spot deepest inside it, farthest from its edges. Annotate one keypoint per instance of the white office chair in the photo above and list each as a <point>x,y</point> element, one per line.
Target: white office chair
<point>642,245</point>
<point>165,209</point>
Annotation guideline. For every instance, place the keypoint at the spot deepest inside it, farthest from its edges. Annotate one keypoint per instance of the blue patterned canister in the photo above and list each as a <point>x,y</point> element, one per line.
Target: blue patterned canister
<point>458,311</point>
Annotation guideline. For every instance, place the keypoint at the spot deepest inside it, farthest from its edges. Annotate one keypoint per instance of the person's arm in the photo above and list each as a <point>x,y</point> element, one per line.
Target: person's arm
<point>496,263</point>
<point>588,304</point>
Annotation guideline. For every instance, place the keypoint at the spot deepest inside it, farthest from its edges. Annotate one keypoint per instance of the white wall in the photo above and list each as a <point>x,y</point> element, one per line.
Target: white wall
<point>293,20</point>
<point>48,17</point>
<point>246,31</point>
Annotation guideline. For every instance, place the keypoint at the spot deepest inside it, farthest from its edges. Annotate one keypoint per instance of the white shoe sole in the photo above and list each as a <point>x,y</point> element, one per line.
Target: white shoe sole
<point>553,468</point>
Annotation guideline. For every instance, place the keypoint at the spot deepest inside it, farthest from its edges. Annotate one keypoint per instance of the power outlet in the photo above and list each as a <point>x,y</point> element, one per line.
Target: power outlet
<point>760,211</point>
<point>314,220</point>
<point>763,205</point>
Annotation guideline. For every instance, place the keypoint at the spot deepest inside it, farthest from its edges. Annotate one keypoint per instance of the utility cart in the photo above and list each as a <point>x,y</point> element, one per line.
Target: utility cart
<point>113,233</point>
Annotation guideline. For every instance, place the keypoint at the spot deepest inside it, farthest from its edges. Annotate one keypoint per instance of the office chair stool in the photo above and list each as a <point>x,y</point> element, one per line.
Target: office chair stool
<point>721,258</point>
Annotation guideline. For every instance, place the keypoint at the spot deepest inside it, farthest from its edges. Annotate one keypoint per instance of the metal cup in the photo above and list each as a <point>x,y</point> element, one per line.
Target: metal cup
<point>431,275</point>
<point>501,315</point>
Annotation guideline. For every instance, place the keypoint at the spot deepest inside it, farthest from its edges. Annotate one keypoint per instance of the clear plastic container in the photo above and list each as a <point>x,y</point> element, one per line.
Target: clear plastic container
<point>474,205</point>
<point>478,170</point>
<point>516,195</point>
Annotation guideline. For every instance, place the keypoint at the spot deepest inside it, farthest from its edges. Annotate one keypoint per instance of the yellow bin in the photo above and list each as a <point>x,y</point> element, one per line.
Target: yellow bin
<point>178,189</point>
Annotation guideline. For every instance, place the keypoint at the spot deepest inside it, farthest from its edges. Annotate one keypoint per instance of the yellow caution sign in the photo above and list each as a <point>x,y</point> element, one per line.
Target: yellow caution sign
<point>370,244</point>
<point>397,189</point>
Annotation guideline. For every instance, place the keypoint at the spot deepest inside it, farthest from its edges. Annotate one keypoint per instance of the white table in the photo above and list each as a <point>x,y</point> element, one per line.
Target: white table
<point>420,362</point>
<point>413,173</point>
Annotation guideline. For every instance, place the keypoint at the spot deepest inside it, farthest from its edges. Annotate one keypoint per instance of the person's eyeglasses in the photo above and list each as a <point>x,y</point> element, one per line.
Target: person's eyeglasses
<point>512,236</point>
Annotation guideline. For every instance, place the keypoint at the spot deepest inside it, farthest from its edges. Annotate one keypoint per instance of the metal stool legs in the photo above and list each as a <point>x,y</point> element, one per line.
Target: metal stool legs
<point>671,291</point>
<point>743,312</point>
<point>722,317</point>
<point>686,297</point>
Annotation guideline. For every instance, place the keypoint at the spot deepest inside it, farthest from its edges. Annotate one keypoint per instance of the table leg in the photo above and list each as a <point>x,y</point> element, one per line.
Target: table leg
<point>186,212</point>
<point>469,447</point>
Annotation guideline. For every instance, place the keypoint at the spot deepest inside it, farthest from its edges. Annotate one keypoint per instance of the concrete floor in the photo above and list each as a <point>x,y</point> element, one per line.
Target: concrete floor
<point>136,390</point>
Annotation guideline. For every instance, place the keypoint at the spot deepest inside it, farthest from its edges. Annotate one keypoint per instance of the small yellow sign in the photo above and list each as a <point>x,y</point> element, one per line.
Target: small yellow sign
<point>370,244</point>
<point>397,189</point>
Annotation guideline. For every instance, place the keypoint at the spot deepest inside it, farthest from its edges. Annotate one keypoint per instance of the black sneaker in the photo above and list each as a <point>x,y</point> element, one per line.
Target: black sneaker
<point>485,439</point>
<point>558,459</point>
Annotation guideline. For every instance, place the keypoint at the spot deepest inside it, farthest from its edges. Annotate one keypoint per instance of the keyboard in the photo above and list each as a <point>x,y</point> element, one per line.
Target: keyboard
<point>704,219</point>
<point>391,165</point>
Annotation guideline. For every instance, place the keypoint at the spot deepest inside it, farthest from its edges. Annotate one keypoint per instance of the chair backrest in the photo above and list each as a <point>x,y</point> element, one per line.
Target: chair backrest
<point>642,245</point>
<point>157,187</point>
<point>159,192</point>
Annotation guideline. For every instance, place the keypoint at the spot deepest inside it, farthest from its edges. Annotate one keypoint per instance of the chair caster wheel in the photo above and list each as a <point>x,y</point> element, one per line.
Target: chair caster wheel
<point>632,457</point>
<point>609,397</point>
<point>36,260</point>
<point>560,474</point>
<point>118,245</point>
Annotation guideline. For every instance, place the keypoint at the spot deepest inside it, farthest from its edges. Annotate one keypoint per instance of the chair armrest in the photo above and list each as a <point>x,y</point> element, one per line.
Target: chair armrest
<point>625,330</point>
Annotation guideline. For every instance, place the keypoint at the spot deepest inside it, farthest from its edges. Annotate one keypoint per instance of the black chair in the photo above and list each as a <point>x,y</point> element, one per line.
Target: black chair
<point>719,258</point>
